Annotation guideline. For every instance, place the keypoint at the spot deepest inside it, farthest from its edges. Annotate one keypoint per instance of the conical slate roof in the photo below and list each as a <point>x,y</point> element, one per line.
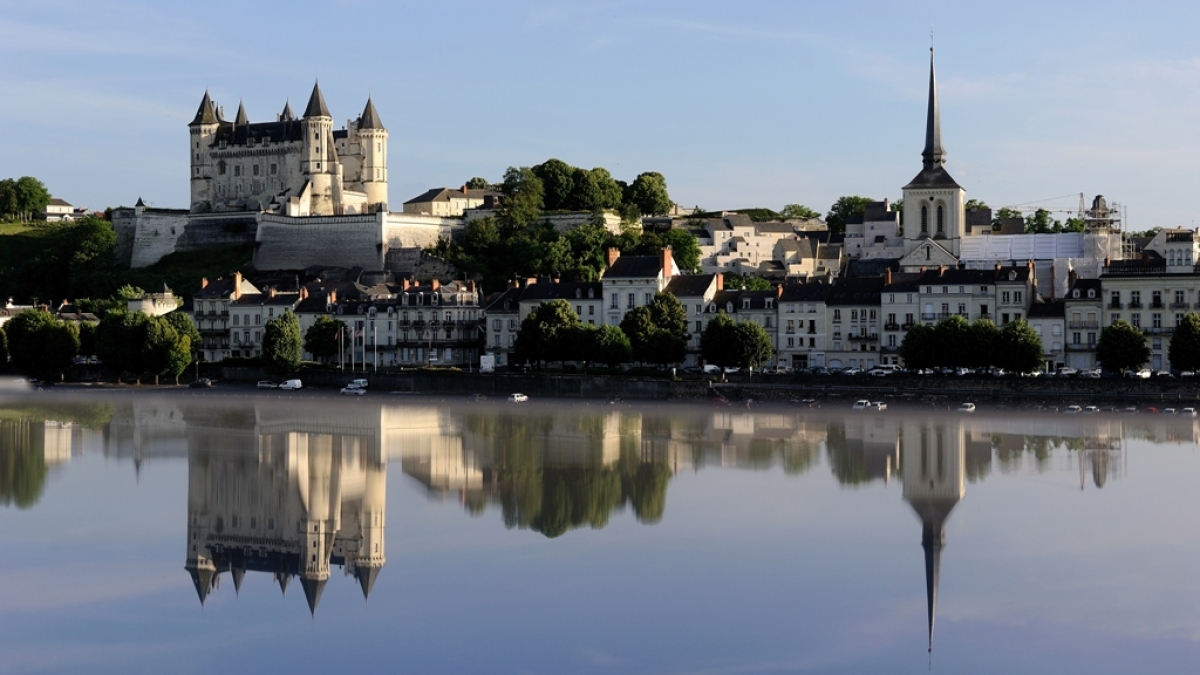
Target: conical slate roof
<point>207,112</point>
<point>370,117</point>
<point>287,115</point>
<point>202,579</point>
<point>241,115</point>
<point>316,104</point>
<point>934,154</point>
<point>313,588</point>
<point>366,578</point>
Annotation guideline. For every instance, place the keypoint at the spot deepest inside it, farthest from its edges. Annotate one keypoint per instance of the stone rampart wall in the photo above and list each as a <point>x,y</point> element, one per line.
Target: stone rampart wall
<point>284,243</point>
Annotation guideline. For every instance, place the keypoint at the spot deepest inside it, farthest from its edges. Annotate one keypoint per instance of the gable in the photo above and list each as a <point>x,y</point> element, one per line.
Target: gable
<point>927,253</point>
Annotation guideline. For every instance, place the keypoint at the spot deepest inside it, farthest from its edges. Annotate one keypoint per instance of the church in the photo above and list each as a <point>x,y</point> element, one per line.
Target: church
<point>290,166</point>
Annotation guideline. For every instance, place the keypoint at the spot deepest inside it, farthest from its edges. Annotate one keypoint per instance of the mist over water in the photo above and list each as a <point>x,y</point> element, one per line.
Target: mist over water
<point>183,533</point>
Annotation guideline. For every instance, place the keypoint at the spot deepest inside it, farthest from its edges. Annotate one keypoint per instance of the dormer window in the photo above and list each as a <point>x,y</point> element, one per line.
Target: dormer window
<point>745,303</point>
<point>591,293</point>
<point>1091,292</point>
<point>729,307</point>
<point>1075,294</point>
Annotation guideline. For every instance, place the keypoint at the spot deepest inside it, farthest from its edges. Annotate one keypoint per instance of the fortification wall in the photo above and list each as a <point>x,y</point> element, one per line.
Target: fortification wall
<point>414,230</point>
<point>144,237</point>
<point>284,243</point>
<point>206,231</point>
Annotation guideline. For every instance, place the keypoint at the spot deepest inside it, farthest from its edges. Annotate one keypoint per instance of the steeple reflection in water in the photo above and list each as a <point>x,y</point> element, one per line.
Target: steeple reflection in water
<point>285,494</point>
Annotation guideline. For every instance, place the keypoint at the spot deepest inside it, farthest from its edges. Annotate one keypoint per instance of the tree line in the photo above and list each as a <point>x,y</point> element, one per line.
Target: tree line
<point>655,334</point>
<point>955,343</point>
<point>23,198</point>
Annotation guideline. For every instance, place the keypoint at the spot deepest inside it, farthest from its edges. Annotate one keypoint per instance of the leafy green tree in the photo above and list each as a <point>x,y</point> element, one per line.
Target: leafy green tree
<point>843,209</point>
<point>558,182</point>
<point>919,348</point>
<point>668,314</point>
<point>663,347</point>
<point>953,338</point>
<point>478,183</point>
<point>578,343</point>
<point>638,326</point>
<point>735,282</point>
<point>321,338</point>
<point>119,340</point>
<point>542,335</point>
<point>184,325</point>
<point>649,192</point>
<point>1184,350</point>
<point>587,243</point>
<point>718,342</point>
<point>798,211</point>
<point>1122,347</point>
<point>40,344</point>
<point>1018,348</point>
<point>524,199</point>
<point>684,249</point>
<point>983,341</point>
<point>10,206</point>
<point>164,350</point>
<point>609,191</point>
<point>282,347</point>
<point>612,347</point>
<point>1074,225</point>
<point>32,196</point>
<point>754,346</point>
<point>3,349</point>
<point>87,338</point>
<point>975,204</point>
<point>1040,222</point>
<point>22,462</point>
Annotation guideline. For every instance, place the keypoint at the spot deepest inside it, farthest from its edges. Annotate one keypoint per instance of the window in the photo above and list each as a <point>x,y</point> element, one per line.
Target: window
<point>236,317</point>
<point>940,220</point>
<point>699,327</point>
<point>1075,338</point>
<point>615,302</point>
<point>632,302</point>
<point>837,316</point>
<point>1018,297</point>
<point>925,222</point>
<point>1116,298</point>
<point>274,169</point>
<point>1004,297</point>
<point>1178,319</point>
<point>591,310</point>
<point>254,170</point>
<point>1156,320</point>
<point>791,342</point>
<point>1136,320</point>
<point>237,170</point>
<point>257,319</point>
<point>648,298</point>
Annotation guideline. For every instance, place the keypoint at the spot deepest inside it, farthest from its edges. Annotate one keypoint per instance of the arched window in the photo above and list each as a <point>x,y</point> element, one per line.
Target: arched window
<point>924,219</point>
<point>927,252</point>
<point>941,220</point>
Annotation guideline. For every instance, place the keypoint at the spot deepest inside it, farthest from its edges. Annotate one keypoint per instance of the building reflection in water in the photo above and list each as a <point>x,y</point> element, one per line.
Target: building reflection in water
<point>287,494</point>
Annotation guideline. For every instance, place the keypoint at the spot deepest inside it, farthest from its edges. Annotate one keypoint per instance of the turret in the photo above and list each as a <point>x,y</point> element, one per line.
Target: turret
<point>373,138</point>
<point>319,164</point>
<point>202,132</point>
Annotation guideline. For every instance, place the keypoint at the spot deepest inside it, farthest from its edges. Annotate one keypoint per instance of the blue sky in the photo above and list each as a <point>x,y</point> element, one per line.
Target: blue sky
<point>737,104</point>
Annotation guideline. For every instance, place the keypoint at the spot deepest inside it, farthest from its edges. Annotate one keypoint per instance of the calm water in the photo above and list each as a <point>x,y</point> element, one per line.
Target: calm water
<point>237,534</point>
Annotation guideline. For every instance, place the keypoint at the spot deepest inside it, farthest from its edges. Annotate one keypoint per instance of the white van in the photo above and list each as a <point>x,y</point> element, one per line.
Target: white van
<point>291,385</point>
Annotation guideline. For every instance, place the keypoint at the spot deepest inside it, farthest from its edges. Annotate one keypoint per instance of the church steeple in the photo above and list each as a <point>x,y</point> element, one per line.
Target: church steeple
<point>934,155</point>
<point>933,539</point>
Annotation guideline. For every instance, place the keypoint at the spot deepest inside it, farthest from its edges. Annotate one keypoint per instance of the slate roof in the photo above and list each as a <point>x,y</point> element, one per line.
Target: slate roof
<point>871,267</point>
<point>316,104</point>
<point>506,301</point>
<point>936,177</point>
<point>1051,309</point>
<point>856,291</point>
<point>564,290</point>
<point>773,228</point>
<point>370,117</point>
<point>689,285</point>
<point>1083,285</point>
<point>635,267</point>
<point>806,292</point>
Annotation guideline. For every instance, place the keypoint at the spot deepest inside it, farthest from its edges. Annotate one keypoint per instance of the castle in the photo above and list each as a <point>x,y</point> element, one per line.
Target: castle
<point>302,192</point>
<point>294,167</point>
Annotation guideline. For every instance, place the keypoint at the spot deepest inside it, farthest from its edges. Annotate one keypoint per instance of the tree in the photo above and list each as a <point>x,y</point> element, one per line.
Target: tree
<point>1122,347</point>
<point>524,199</point>
<point>321,338</point>
<point>668,314</point>
<point>684,248</point>
<point>753,344</point>
<point>919,348</point>
<point>973,204</point>
<point>982,345</point>
<point>40,344</point>
<point>22,464</point>
<point>718,342</point>
<point>649,193</point>
<point>953,338</point>
<point>843,209</point>
<point>735,282</point>
<point>119,339</point>
<point>9,204</point>
<point>1184,350</point>
<point>3,349</point>
<point>87,339</point>
<point>558,182</point>
<point>32,196</point>
<point>609,190</point>
<point>1041,223</point>
<point>612,347</point>
<point>165,351</point>
<point>1018,348</point>
<point>282,346</point>
<point>798,211</point>
<point>184,325</point>
<point>478,183</point>
<point>638,326</point>
<point>542,335</point>
<point>663,347</point>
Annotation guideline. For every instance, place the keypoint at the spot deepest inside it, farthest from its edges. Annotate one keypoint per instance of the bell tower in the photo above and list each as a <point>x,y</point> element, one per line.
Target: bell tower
<point>934,204</point>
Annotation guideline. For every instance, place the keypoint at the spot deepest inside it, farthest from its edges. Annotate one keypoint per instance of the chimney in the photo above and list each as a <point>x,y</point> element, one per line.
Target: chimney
<point>333,297</point>
<point>998,268</point>
<point>1107,262</point>
<point>610,256</point>
<point>887,277</point>
<point>667,261</point>
<point>304,292</point>
<point>720,281</point>
<point>436,284</point>
<point>941,270</point>
<point>203,282</point>
<point>271,293</point>
<point>1072,277</point>
<point>404,284</point>
<point>779,291</point>
<point>923,270</point>
<point>237,285</point>
<point>530,281</point>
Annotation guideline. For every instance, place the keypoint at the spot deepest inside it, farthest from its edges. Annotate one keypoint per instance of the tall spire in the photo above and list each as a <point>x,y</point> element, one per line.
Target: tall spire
<point>241,118</point>
<point>316,104</point>
<point>207,113</point>
<point>934,156</point>
<point>933,539</point>
<point>287,115</point>
<point>369,118</point>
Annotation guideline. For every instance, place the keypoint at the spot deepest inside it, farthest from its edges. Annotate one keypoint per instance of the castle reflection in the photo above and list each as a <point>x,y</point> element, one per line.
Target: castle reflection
<point>298,491</point>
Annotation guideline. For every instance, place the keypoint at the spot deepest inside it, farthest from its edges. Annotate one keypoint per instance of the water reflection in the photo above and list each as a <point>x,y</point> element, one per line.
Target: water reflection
<point>35,439</point>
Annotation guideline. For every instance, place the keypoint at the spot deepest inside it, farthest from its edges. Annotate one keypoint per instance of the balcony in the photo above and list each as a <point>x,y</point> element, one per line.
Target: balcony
<point>1155,330</point>
<point>906,325</point>
<point>1135,305</point>
<point>864,338</point>
<point>1083,325</point>
<point>928,316</point>
<point>889,350</point>
<point>1117,305</point>
<point>891,325</point>
<point>1179,305</point>
<point>1156,304</point>
<point>1081,347</point>
<point>984,316</point>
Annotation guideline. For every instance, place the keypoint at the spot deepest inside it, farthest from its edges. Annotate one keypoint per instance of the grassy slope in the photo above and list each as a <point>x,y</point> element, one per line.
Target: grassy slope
<point>183,271</point>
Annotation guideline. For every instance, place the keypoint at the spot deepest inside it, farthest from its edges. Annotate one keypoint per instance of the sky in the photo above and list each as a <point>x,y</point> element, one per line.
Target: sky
<point>747,104</point>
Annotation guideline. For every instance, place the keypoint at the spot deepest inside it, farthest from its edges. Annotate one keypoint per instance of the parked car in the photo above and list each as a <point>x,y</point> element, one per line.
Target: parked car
<point>202,383</point>
<point>291,385</point>
<point>1143,374</point>
<point>1164,374</point>
<point>878,406</point>
<point>351,390</point>
<point>966,408</point>
<point>361,383</point>
<point>1091,409</point>
<point>883,370</point>
<point>517,398</point>
<point>1091,373</point>
<point>477,398</point>
<point>710,369</point>
<point>862,405</point>
<point>1190,412</point>
<point>851,371</point>
<point>267,384</point>
<point>730,370</point>
<point>1067,372</point>
<point>781,370</point>
<point>1072,410</point>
